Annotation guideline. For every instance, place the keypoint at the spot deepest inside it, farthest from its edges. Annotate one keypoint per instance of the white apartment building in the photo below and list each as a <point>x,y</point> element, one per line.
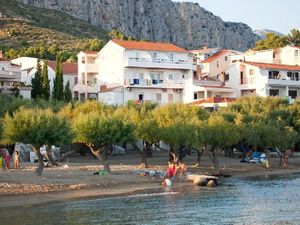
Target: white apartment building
<point>10,79</point>
<point>264,79</point>
<point>144,72</point>
<point>288,55</point>
<point>88,84</point>
<point>135,71</point>
<point>28,70</point>
<point>216,64</point>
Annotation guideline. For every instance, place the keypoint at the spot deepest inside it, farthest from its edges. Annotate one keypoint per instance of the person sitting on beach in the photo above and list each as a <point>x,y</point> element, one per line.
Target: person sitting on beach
<point>171,171</point>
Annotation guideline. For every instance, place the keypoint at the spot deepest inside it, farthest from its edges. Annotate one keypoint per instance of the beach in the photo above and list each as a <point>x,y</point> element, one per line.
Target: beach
<point>75,179</point>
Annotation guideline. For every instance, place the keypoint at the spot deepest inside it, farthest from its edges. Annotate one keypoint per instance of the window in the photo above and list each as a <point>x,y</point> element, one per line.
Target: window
<point>141,97</point>
<point>274,75</point>
<point>274,92</point>
<point>226,58</point>
<point>158,97</point>
<point>182,76</point>
<point>75,80</point>
<point>251,71</point>
<point>195,96</point>
<point>141,76</point>
<point>293,76</point>
<point>296,53</point>
<point>226,78</point>
<point>171,56</point>
<point>154,55</point>
<point>170,98</point>
<point>217,64</point>
<point>293,94</point>
<point>170,76</point>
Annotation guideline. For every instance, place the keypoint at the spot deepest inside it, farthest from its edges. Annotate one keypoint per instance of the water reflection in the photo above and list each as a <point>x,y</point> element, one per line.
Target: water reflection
<point>272,200</point>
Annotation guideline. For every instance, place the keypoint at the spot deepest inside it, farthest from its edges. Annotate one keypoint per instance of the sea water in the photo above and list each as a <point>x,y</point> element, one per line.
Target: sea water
<point>259,200</point>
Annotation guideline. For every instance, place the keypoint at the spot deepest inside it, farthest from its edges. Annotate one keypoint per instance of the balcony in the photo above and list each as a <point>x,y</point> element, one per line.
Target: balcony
<point>284,81</point>
<point>159,63</point>
<point>10,76</point>
<point>208,83</point>
<point>89,67</point>
<point>154,83</point>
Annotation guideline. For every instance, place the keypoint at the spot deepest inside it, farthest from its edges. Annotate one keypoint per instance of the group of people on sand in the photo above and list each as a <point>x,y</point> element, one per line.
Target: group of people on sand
<point>175,170</point>
<point>5,159</point>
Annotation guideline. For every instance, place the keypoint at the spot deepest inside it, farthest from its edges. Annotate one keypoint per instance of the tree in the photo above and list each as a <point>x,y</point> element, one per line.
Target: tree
<point>214,135</point>
<point>67,93</point>
<point>146,131</point>
<point>36,127</point>
<point>168,118</point>
<point>272,41</point>
<point>58,88</point>
<point>45,82</point>
<point>36,81</point>
<point>293,38</point>
<point>99,133</point>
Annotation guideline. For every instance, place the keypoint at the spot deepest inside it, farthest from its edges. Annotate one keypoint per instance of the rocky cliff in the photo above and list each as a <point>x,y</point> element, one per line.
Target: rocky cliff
<point>185,24</point>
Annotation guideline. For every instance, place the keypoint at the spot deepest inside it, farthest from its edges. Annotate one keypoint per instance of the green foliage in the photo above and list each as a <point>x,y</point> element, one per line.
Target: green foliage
<point>37,127</point>
<point>293,38</point>
<point>102,131</point>
<point>38,33</point>
<point>274,41</point>
<point>58,87</point>
<point>45,93</point>
<point>36,91</point>
<point>67,93</point>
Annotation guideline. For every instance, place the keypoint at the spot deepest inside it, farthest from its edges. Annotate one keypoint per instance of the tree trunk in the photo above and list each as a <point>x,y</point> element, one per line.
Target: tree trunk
<point>40,168</point>
<point>215,160</point>
<point>144,163</point>
<point>104,157</point>
<point>49,157</point>
<point>199,154</point>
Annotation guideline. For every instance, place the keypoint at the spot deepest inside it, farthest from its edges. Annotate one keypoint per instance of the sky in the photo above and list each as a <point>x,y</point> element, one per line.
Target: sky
<point>277,15</point>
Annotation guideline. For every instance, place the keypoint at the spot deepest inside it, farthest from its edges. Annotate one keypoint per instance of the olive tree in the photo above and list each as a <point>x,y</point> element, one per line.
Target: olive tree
<point>99,132</point>
<point>36,127</point>
<point>176,122</point>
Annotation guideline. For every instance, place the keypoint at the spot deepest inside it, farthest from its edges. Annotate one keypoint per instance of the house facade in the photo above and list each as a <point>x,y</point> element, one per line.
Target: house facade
<point>145,72</point>
<point>10,79</point>
<point>264,79</point>
<point>87,86</point>
<point>28,70</point>
<point>216,64</point>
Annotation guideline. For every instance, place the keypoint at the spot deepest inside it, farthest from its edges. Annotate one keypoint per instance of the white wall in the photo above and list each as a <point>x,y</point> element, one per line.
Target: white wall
<point>111,60</point>
<point>288,57</point>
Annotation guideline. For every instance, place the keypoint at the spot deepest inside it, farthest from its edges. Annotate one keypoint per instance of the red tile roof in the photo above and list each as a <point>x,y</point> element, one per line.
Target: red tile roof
<point>273,66</point>
<point>149,46</point>
<point>68,68</point>
<point>90,52</point>
<point>215,56</point>
<point>213,100</point>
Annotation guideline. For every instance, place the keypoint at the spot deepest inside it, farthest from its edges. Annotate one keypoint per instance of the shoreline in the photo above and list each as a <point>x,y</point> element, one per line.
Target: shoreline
<point>122,189</point>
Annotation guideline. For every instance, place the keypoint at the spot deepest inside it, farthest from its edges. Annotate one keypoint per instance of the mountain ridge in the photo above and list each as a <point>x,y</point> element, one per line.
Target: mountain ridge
<point>185,24</point>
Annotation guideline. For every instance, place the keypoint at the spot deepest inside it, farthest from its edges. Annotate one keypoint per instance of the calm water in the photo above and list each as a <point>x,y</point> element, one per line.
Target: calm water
<point>247,201</point>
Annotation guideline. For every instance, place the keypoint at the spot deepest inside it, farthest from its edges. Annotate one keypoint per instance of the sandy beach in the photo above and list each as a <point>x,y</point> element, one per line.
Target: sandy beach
<point>75,179</point>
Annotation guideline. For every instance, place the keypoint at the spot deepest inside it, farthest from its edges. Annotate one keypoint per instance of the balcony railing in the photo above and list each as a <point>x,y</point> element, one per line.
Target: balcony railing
<point>10,75</point>
<point>161,63</point>
<point>151,82</point>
